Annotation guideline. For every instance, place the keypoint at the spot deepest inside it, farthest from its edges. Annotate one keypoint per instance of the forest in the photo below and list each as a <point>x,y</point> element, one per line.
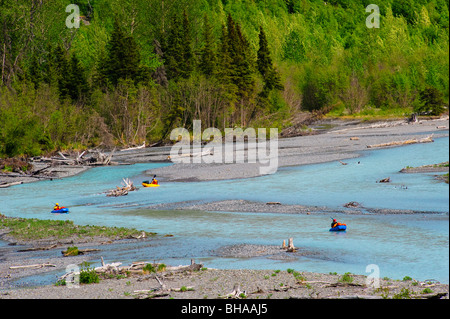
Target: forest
<point>128,71</point>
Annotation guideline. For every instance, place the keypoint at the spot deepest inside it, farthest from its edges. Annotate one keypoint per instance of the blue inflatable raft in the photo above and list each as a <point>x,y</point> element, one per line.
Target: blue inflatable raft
<point>61,211</point>
<point>339,228</point>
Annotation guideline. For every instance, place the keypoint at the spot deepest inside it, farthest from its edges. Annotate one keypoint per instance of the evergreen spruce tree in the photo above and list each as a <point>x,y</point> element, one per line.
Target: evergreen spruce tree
<point>123,58</point>
<point>173,50</point>
<point>78,85</point>
<point>179,57</point>
<point>187,64</point>
<point>243,61</point>
<point>225,71</point>
<point>237,65</point>
<point>34,72</point>
<point>59,71</point>
<point>208,57</point>
<point>265,66</point>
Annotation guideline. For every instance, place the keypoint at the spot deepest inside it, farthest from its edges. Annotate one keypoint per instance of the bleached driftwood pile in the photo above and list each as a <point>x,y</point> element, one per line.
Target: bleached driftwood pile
<point>136,268</point>
<point>126,187</point>
<point>43,167</point>
<point>97,158</point>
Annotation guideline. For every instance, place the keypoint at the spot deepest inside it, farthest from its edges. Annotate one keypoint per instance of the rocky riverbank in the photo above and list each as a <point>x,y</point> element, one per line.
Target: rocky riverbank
<point>204,283</point>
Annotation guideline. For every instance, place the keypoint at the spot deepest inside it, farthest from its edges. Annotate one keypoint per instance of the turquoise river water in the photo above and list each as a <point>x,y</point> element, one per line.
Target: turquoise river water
<point>399,244</point>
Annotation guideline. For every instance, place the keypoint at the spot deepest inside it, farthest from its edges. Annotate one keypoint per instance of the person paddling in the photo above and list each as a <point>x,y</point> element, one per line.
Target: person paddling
<point>334,223</point>
<point>57,207</point>
<point>154,180</point>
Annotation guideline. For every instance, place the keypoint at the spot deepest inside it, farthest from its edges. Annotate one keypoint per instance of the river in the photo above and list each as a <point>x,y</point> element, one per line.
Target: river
<point>400,245</point>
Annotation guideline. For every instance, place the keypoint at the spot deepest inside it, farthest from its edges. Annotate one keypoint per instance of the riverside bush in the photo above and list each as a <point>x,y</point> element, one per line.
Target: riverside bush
<point>88,275</point>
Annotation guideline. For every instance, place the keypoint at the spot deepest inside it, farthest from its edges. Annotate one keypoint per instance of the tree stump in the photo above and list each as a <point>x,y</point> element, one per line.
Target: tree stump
<point>291,248</point>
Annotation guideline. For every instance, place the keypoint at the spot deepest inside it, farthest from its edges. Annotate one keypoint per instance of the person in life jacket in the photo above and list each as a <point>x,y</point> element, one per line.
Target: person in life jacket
<point>334,223</point>
<point>154,180</point>
<point>57,207</point>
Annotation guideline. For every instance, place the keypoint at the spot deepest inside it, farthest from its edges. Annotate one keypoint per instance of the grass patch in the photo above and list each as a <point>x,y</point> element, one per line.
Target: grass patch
<point>346,278</point>
<point>27,229</point>
<point>149,268</point>
<point>403,294</point>
<point>72,251</point>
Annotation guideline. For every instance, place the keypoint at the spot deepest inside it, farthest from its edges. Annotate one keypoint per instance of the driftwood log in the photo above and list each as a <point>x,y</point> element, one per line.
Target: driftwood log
<point>38,248</point>
<point>5,185</point>
<point>428,139</point>
<point>161,291</point>
<point>134,148</point>
<point>206,152</point>
<point>236,293</point>
<point>32,266</point>
<point>126,187</point>
<point>67,253</point>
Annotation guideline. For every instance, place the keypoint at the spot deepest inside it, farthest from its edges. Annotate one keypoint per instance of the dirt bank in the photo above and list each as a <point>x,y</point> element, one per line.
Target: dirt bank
<point>250,284</point>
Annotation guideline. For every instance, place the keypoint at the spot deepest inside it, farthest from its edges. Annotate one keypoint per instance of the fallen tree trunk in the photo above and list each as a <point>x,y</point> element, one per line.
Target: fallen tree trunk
<point>38,248</point>
<point>428,139</point>
<point>134,148</point>
<point>67,253</point>
<point>32,266</point>
<point>191,267</point>
<point>5,185</point>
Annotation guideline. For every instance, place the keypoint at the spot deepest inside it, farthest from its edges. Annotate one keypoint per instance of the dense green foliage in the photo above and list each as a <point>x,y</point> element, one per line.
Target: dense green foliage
<point>134,70</point>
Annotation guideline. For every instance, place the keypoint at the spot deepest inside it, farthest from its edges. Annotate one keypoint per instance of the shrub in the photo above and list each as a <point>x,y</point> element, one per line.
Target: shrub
<point>403,294</point>
<point>407,278</point>
<point>148,268</point>
<point>88,275</point>
<point>161,267</point>
<point>427,291</point>
<point>346,278</point>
